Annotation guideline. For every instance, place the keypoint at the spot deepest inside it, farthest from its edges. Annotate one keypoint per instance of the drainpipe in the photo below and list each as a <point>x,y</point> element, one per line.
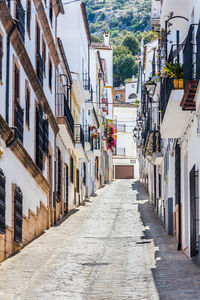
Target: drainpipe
<point>8,69</point>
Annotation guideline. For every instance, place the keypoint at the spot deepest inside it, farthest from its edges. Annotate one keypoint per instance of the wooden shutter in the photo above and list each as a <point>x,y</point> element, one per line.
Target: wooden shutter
<point>19,121</point>
<point>39,137</point>
<point>18,207</point>
<point>46,136</point>
<point>2,202</point>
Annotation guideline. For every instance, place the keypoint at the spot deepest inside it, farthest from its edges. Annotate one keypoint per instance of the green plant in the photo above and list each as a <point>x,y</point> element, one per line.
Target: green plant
<point>172,70</point>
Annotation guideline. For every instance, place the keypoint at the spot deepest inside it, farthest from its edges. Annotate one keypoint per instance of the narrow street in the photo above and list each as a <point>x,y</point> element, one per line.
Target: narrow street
<point>113,247</point>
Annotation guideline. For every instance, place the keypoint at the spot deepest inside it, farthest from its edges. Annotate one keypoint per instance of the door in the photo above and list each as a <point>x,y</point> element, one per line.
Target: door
<point>178,192</point>
<point>66,189</point>
<point>124,172</point>
<point>193,217</point>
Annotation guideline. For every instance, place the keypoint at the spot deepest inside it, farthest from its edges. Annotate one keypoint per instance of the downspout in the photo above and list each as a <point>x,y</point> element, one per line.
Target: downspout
<point>8,69</point>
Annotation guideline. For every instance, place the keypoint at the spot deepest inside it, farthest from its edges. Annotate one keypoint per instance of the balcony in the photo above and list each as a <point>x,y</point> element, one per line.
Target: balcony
<point>19,122</point>
<point>120,152</point>
<point>20,16</point>
<point>79,136</point>
<point>40,68</point>
<point>86,81</point>
<point>174,120</point>
<point>63,110</point>
<point>65,119</point>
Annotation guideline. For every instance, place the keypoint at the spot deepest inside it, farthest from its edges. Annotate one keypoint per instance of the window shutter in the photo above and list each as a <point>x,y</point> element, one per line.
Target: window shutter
<point>39,138</point>
<point>46,136</point>
<point>18,207</point>
<point>19,121</point>
<point>2,202</point>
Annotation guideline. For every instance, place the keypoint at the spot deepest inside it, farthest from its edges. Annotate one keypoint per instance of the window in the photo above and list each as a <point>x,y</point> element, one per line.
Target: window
<point>27,107</point>
<point>51,11</point>
<point>50,74</point>
<point>18,209</point>
<point>18,110</point>
<point>28,17</point>
<point>1,56</point>
<point>72,169</point>
<point>2,202</point>
<point>44,56</point>
<point>42,136</point>
<point>121,127</point>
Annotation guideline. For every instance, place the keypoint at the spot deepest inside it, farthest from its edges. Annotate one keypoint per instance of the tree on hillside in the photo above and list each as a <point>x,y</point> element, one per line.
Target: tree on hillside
<point>119,50</point>
<point>131,43</point>
<point>124,67</point>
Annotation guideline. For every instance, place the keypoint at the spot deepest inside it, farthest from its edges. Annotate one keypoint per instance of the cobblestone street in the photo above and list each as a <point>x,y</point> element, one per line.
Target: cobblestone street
<point>113,247</point>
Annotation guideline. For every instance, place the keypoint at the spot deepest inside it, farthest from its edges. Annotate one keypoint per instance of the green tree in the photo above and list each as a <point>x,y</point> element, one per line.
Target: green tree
<point>124,67</point>
<point>121,50</point>
<point>131,43</point>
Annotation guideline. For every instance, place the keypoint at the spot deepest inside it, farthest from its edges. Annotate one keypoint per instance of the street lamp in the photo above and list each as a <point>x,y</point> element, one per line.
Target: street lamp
<point>150,88</point>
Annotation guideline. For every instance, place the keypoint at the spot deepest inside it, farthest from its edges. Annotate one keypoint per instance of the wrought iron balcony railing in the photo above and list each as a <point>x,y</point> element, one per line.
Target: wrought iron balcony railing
<point>63,110</point>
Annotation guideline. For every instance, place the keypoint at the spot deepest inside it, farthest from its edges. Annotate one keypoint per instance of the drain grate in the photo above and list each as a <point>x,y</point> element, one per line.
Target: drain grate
<point>143,242</point>
<point>94,264</point>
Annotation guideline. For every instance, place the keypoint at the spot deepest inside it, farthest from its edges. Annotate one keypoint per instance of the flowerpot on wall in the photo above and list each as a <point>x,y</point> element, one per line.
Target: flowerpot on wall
<point>178,84</point>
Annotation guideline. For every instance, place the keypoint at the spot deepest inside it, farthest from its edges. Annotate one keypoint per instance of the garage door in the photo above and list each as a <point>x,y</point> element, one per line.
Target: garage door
<point>124,172</point>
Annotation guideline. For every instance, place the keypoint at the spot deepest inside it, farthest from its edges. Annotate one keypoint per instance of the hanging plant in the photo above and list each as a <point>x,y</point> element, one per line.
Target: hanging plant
<point>95,135</point>
<point>109,131</point>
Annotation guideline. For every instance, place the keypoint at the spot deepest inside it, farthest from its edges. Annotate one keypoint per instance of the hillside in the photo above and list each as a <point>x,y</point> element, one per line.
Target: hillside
<point>118,16</point>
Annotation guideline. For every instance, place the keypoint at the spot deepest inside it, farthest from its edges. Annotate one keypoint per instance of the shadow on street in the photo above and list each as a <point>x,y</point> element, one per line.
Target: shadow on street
<point>175,276</point>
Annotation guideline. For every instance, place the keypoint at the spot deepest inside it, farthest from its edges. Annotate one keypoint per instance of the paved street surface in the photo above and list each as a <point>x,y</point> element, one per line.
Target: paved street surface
<point>112,248</point>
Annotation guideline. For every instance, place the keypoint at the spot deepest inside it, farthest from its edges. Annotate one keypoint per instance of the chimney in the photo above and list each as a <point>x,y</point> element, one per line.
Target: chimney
<point>107,39</point>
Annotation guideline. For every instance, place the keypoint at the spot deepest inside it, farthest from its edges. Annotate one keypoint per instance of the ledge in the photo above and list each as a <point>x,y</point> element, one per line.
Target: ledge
<point>25,61</point>
<point>20,152</point>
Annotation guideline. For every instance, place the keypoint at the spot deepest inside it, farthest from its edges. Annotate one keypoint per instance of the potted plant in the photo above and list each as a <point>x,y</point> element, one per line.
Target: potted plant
<point>174,70</point>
